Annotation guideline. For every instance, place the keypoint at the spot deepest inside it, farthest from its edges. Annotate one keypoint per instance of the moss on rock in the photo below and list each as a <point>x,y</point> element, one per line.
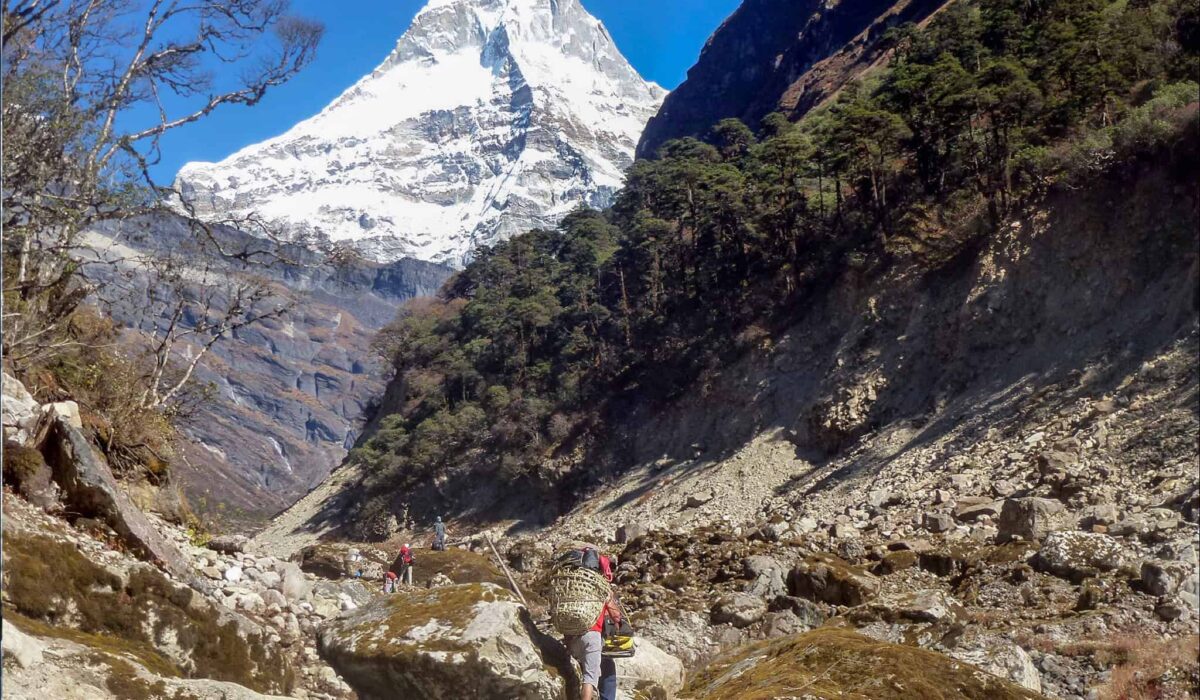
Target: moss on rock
<point>51,582</point>
<point>838,663</point>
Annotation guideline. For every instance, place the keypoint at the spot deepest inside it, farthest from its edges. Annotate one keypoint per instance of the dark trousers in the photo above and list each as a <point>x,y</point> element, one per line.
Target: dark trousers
<point>608,679</point>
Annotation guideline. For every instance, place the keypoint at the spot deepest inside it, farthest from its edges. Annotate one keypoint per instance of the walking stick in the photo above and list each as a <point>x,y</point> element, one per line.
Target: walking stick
<point>504,567</point>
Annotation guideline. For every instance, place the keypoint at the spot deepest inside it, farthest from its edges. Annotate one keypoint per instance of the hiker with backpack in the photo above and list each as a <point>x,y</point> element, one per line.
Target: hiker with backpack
<point>585,610</point>
<point>403,566</point>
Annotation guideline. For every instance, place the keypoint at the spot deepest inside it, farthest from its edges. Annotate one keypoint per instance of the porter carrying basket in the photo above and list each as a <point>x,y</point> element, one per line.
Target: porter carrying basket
<point>577,597</point>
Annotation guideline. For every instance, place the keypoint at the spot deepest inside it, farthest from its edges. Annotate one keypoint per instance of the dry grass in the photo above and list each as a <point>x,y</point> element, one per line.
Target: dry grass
<point>1158,669</point>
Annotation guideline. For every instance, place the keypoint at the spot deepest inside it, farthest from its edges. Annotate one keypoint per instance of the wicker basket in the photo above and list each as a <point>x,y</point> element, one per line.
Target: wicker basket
<point>577,597</point>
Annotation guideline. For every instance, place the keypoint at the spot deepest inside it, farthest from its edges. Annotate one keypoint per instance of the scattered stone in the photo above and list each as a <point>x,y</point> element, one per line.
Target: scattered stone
<point>233,574</point>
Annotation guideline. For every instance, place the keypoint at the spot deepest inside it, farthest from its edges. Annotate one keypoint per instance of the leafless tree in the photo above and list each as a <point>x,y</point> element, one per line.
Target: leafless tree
<point>78,78</point>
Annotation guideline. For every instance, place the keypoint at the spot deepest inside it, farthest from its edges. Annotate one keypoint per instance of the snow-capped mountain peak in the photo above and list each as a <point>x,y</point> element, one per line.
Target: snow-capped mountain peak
<point>488,118</point>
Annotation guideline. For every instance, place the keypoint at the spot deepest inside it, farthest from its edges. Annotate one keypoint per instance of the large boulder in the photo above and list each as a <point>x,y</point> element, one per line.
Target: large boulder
<point>828,579</point>
<point>293,583</point>
<point>91,490</point>
<point>469,640</point>
<point>739,610</point>
<point>1001,657</point>
<point>649,673</point>
<point>837,663</point>
<point>1075,555</point>
<point>767,576</point>
<point>1031,519</point>
<point>22,648</point>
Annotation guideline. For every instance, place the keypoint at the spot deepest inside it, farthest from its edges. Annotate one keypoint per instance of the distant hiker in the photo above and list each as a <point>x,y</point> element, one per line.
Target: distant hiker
<point>585,610</point>
<point>389,582</point>
<point>355,563</point>
<point>439,535</point>
<point>405,561</point>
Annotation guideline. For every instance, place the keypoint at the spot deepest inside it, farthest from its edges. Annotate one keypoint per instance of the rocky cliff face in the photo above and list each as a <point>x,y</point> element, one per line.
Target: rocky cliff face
<point>778,55</point>
<point>490,117</point>
<point>289,392</point>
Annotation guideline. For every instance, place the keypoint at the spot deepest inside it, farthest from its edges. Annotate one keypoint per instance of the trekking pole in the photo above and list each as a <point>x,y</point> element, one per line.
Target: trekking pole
<point>512,582</point>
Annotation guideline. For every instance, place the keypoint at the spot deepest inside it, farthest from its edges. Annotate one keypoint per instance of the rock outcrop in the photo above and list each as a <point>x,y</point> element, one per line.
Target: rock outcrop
<point>90,490</point>
<point>468,640</point>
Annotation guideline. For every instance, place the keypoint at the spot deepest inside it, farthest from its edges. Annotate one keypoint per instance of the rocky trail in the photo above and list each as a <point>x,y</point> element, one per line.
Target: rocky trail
<point>1035,578</point>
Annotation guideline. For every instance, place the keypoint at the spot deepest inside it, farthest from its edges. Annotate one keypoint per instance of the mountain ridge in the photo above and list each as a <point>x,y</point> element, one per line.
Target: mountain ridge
<point>543,117</point>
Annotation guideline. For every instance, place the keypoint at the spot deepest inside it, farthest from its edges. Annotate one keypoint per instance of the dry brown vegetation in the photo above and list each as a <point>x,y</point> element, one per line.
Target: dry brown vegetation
<point>1153,669</point>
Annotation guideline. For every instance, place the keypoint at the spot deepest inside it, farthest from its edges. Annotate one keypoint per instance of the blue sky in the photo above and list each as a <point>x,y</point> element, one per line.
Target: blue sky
<point>661,38</point>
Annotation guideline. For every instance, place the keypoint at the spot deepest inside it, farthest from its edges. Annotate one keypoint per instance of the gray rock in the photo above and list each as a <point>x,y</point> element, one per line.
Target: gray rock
<point>19,411</point>
<point>938,522</point>
<point>828,579</point>
<point>971,512</point>
<point>91,490</point>
<point>1002,658</point>
<point>294,585</point>
<point>22,648</point>
<point>767,577</point>
<point>481,639</point>
<point>740,610</point>
<point>228,544</point>
<point>1031,518</point>
<point>629,532</point>
<point>1078,555</point>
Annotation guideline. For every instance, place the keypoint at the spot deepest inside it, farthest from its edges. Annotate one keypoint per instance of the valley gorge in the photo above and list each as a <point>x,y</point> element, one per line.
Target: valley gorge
<point>871,361</point>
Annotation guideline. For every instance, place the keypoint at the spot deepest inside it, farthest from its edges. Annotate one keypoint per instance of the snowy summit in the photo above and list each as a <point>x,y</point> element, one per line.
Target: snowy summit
<point>489,118</point>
